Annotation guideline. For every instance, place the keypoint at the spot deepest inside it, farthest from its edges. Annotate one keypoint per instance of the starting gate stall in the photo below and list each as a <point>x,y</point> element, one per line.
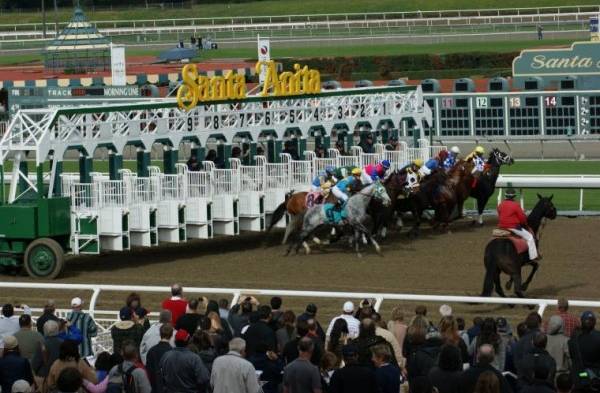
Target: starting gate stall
<point>344,161</point>
<point>300,173</point>
<point>66,180</point>
<point>365,158</point>
<point>99,216</point>
<point>319,164</point>
<point>143,194</point>
<point>276,185</point>
<point>251,195</point>
<point>224,183</point>
<point>431,151</point>
<point>170,206</point>
<point>198,202</point>
<point>397,158</point>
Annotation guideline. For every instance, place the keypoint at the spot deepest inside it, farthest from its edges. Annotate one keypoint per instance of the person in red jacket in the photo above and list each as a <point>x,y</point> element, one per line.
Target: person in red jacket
<point>176,303</point>
<point>511,217</point>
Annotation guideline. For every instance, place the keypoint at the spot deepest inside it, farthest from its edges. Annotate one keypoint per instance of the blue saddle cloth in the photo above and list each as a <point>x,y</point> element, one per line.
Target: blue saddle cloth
<point>334,216</point>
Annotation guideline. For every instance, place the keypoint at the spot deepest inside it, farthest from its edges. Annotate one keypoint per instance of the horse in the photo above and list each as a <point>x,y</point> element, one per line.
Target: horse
<point>356,209</point>
<point>501,255</point>
<point>395,185</point>
<point>486,184</point>
<point>460,179</point>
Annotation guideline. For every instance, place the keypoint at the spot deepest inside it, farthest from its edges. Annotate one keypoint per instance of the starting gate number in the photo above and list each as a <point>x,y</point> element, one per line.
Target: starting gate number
<point>448,102</point>
<point>481,102</point>
<point>515,102</point>
<point>550,101</point>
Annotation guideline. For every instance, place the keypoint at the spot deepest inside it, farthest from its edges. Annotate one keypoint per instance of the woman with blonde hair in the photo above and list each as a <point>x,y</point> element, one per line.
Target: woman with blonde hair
<point>449,332</point>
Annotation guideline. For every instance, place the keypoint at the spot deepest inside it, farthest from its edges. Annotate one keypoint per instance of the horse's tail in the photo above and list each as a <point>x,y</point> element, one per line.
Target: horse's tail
<point>490,271</point>
<point>278,214</point>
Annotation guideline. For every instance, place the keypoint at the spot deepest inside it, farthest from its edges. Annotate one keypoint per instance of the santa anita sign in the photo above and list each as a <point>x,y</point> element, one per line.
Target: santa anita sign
<point>582,58</point>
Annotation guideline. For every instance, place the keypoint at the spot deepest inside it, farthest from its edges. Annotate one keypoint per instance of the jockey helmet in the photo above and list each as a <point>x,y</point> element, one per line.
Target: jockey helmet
<point>455,150</point>
<point>479,150</point>
<point>418,162</point>
<point>356,171</point>
<point>510,193</point>
<point>386,164</point>
<point>329,170</point>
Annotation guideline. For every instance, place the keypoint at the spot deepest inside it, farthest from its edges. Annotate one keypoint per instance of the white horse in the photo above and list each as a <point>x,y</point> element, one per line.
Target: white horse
<point>356,209</point>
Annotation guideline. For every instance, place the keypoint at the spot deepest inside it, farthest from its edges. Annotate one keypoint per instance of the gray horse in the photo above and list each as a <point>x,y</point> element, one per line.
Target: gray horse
<point>356,209</point>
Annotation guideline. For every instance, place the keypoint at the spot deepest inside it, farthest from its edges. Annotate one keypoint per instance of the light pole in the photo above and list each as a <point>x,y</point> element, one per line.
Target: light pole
<point>44,17</point>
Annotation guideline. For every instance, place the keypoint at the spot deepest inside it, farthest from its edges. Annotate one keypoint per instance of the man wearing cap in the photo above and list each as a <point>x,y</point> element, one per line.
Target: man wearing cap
<point>12,365</point>
<point>181,370</point>
<point>127,329</point>
<point>353,377</point>
<point>85,323</point>
<point>311,313</point>
<point>584,348</point>
<point>511,217</point>
<point>47,315</point>
<point>353,323</point>
<point>21,386</point>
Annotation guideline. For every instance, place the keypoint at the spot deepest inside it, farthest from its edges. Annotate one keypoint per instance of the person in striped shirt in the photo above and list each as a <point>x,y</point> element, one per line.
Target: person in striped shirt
<point>85,323</point>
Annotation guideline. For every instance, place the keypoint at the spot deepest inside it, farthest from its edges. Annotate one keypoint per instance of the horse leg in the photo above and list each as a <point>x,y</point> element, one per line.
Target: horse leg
<point>290,228</point>
<point>518,287</point>
<point>356,243</point>
<point>535,266</point>
<point>509,284</point>
<point>498,285</point>
<point>376,245</point>
<point>480,207</point>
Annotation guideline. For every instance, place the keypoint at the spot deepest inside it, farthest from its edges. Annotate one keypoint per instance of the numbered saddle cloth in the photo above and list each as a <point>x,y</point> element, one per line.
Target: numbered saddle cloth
<point>334,215</point>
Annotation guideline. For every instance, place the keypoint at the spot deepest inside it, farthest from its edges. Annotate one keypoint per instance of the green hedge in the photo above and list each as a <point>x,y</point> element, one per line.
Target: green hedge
<point>384,67</point>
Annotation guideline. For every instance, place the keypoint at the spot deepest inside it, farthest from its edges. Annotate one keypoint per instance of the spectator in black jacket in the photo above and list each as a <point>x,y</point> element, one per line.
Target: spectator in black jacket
<point>584,348</point>
<point>353,377</point>
<point>422,350</point>
<point>266,361</point>
<point>525,343</point>
<point>13,366</point>
<point>47,315</point>
<point>260,332</point>
<point>156,353</point>
<point>541,382</point>
<point>191,319</point>
<point>538,357</point>
<point>311,313</point>
<point>446,375</point>
<point>484,363</point>
<point>367,339</point>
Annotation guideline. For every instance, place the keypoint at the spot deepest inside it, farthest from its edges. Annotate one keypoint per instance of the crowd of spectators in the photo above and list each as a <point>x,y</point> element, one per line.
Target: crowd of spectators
<point>202,345</point>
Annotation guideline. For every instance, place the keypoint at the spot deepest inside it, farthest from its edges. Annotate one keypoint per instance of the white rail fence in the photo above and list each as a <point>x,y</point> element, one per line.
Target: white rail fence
<point>106,318</point>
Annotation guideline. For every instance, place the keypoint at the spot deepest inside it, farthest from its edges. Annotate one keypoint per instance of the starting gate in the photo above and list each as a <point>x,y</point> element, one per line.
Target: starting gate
<point>276,185</point>
<point>225,198</point>
<point>300,173</point>
<point>143,195</point>
<point>198,203</point>
<point>170,206</point>
<point>251,195</point>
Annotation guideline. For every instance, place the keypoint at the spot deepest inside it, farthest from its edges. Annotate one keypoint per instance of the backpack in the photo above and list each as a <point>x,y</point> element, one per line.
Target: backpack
<point>127,384</point>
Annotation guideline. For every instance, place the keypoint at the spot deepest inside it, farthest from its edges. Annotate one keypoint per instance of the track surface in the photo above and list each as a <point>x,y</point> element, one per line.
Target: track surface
<point>436,263</point>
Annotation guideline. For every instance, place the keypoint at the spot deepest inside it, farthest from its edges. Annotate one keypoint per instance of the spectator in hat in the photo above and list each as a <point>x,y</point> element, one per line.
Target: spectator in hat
<point>127,329</point>
<point>231,373</point>
<point>69,357</point>
<point>311,313</point>
<point>260,332</point>
<point>47,353</point>
<point>584,347</point>
<point>47,315</point>
<point>156,353</point>
<point>176,303</point>
<point>558,344</point>
<point>353,377</point>
<point>181,370</point>
<point>21,386</point>
<point>191,319</point>
<point>152,335</point>
<point>29,339</point>
<point>12,365</point>
<point>85,323</point>
<point>570,321</point>
<point>351,321</point>
<point>301,376</point>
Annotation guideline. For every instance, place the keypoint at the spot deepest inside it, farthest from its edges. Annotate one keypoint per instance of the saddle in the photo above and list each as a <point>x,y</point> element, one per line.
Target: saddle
<point>519,243</point>
<point>314,198</point>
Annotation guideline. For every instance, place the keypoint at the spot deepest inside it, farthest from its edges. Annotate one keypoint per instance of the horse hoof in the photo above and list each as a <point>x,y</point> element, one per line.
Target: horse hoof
<point>316,240</point>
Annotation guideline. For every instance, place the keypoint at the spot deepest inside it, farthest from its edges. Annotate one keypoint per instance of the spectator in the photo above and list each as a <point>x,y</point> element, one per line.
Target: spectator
<point>445,377</point>
<point>387,374</point>
<point>382,332</point>
<point>29,339</point>
<point>421,349</point>
<point>367,144</point>
<point>311,313</point>
<point>152,335</point>
<point>584,348</point>
<point>484,362</point>
<point>133,303</point>
<point>232,373</point>
<point>397,326</point>
<point>86,325</point>
<point>69,381</point>
<point>474,330</point>
<point>192,164</point>
<point>12,365</point>
<point>67,331</point>
<point>300,376</point>
<point>128,329</point>
<point>218,336</point>
<point>508,343</point>
<point>420,385</point>
<point>538,356</point>
<point>276,313</point>
<point>367,339</point>
<point>449,334</point>
<point>155,355</point>
<point>176,303</point>
<point>190,320</point>
<point>540,32</point>
<point>104,363</point>
<point>337,339</point>
<point>181,370</point>
<point>489,335</point>
<point>558,344</point>
<point>21,386</point>
<point>287,331</point>
<point>224,309</point>
<point>460,322</point>
<point>525,343</point>
<point>202,346</point>
<point>239,315</point>
<point>212,156</point>
<point>320,151</point>
<point>541,382</point>
<point>9,322</point>
<point>47,353</point>
<point>69,357</point>
<point>47,315</point>
<point>260,331</point>
<point>329,363</point>
<point>564,383</point>
<point>269,366</point>
<point>128,372</point>
<point>213,306</point>
<point>347,315</point>
<point>339,145</point>
<point>487,383</point>
<point>570,321</point>
<point>314,335</point>
<point>290,148</point>
<point>353,377</point>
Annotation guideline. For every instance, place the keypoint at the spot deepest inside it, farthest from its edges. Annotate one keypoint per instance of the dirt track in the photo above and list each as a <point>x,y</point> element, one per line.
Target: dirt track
<point>437,263</point>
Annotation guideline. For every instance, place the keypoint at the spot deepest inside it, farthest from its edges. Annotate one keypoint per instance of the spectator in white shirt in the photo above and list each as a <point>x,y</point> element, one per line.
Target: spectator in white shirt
<point>353,323</point>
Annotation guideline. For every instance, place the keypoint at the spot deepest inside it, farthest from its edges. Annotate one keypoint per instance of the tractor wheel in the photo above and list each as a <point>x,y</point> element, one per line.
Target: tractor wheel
<point>44,258</point>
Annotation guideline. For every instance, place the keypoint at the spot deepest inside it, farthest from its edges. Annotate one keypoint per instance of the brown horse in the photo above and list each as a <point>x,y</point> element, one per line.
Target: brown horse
<point>295,205</point>
<point>460,180</point>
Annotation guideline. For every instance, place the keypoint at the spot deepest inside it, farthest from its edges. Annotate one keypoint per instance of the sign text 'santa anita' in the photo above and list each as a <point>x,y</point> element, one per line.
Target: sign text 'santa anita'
<point>199,88</point>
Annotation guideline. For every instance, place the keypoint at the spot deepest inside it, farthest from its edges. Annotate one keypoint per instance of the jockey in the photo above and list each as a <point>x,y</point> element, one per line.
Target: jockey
<point>511,217</point>
<point>372,172</point>
<point>477,157</point>
<point>341,189</point>
<point>433,164</point>
<point>451,159</point>
<point>326,176</point>
<point>413,173</point>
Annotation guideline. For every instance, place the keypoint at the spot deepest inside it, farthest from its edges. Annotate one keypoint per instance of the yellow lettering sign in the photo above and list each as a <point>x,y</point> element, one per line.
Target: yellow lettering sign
<point>302,81</point>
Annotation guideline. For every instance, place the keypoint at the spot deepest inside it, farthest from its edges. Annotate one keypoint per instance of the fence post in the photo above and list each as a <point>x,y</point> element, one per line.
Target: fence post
<point>93,301</point>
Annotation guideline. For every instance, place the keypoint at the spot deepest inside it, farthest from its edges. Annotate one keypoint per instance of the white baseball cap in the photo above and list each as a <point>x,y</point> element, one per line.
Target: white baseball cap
<point>21,386</point>
<point>76,302</point>
<point>445,310</point>
<point>348,306</point>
